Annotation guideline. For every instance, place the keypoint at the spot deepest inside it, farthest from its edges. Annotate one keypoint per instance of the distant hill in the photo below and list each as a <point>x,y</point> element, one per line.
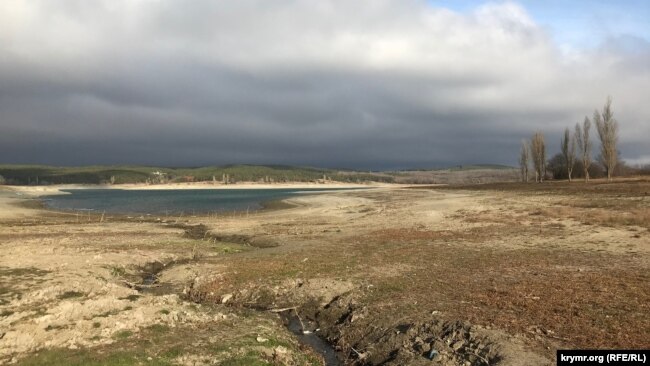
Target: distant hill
<point>461,174</point>
<point>46,175</point>
<point>462,168</point>
<point>481,166</point>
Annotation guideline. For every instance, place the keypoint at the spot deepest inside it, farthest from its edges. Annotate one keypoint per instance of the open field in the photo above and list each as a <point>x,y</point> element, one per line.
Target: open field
<point>488,274</point>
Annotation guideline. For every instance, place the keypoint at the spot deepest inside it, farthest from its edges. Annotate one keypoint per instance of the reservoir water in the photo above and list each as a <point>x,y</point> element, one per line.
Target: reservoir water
<point>186,201</point>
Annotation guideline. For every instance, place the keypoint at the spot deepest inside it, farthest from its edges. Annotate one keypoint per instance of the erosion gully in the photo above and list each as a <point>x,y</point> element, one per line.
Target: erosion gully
<point>306,332</point>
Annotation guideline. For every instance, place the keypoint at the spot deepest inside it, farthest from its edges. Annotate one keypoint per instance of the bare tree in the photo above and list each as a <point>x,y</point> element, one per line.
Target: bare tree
<point>584,145</point>
<point>524,158</point>
<point>538,154</point>
<point>607,128</point>
<point>569,151</point>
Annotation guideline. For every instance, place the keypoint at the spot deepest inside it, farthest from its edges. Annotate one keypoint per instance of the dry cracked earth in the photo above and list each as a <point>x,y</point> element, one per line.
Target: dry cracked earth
<point>499,274</point>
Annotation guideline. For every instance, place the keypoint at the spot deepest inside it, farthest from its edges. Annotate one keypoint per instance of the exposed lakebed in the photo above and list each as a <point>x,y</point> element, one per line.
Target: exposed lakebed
<point>188,201</point>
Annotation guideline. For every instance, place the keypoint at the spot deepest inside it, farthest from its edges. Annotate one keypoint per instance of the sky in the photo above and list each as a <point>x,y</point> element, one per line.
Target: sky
<point>365,84</point>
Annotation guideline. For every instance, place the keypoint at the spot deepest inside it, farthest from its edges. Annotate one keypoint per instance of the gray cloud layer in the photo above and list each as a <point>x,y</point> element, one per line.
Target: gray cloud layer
<point>372,84</point>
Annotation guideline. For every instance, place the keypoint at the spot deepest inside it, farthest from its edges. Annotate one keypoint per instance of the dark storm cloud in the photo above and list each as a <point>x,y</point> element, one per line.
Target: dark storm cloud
<point>349,84</point>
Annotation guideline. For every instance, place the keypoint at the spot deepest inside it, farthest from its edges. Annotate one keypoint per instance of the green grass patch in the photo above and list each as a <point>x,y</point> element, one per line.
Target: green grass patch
<point>164,345</point>
<point>228,250</point>
<point>173,352</point>
<point>250,359</point>
<point>66,357</point>
<point>122,334</point>
<point>158,329</point>
<point>271,342</point>
<point>117,271</point>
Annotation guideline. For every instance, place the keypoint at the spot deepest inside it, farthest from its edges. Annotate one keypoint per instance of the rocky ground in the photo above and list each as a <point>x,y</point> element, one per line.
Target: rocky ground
<point>478,275</point>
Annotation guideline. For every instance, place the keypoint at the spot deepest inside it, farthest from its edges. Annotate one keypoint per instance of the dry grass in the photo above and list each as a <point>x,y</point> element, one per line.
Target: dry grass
<point>556,295</point>
<point>517,261</point>
<point>585,298</point>
<point>625,202</point>
<point>577,298</point>
<point>621,187</point>
<point>599,216</point>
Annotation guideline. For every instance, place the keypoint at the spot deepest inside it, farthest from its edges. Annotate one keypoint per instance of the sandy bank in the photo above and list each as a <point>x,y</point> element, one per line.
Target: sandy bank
<point>11,205</point>
<point>248,185</point>
<point>36,191</point>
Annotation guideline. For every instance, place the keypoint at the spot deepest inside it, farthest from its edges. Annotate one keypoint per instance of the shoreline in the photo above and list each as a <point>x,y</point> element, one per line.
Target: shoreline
<point>30,200</point>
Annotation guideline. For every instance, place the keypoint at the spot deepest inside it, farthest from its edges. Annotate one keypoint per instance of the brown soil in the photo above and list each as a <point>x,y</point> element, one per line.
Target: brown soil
<point>490,274</point>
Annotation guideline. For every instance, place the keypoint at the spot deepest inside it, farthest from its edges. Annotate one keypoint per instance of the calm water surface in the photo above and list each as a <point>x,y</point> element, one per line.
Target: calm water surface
<point>170,201</point>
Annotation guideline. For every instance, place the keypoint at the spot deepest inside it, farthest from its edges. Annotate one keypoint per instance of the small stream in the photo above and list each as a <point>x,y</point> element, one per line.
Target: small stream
<point>309,338</point>
<point>149,278</point>
<point>304,331</point>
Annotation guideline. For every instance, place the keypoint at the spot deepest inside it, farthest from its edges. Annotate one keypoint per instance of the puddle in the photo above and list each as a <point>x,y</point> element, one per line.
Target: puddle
<point>309,337</point>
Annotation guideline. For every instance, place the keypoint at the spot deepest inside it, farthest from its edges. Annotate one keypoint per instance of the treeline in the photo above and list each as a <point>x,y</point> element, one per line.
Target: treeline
<point>576,160</point>
<point>230,174</point>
